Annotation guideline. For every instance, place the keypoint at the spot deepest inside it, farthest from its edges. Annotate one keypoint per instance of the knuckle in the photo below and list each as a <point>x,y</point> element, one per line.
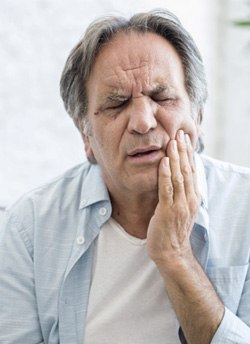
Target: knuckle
<point>181,211</point>
<point>186,170</point>
<point>178,180</point>
<point>166,192</point>
<point>193,205</point>
<point>168,189</point>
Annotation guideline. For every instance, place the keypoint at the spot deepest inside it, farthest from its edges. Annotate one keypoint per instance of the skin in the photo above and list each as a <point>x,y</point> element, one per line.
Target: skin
<point>142,135</point>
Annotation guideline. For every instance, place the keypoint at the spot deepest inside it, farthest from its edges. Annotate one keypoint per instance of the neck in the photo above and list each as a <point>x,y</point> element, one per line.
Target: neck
<point>134,212</point>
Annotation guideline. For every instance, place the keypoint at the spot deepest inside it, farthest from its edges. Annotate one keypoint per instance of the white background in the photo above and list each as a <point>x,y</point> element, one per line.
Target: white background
<point>38,140</point>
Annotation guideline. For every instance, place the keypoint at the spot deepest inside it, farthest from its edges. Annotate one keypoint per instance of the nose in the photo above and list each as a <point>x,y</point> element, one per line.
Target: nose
<point>142,116</point>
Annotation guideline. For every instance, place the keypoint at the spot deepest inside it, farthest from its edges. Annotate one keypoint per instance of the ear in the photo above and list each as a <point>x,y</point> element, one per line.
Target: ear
<point>198,119</point>
<point>199,144</point>
<point>87,145</point>
<point>88,150</point>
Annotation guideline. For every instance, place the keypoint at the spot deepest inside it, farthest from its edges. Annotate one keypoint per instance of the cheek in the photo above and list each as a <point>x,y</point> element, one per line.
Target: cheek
<point>190,127</point>
<point>104,145</point>
<point>172,121</point>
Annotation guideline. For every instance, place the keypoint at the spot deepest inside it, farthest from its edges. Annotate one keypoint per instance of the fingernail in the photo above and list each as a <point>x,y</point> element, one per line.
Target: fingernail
<point>187,139</point>
<point>175,146</point>
<point>181,135</point>
<point>166,161</point>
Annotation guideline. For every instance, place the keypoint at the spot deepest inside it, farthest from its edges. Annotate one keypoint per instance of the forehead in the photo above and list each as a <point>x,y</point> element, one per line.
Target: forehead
<point>134,57</point>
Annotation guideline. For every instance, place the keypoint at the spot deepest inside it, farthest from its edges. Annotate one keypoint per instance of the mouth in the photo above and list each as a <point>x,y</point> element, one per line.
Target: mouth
<point>145,153</point>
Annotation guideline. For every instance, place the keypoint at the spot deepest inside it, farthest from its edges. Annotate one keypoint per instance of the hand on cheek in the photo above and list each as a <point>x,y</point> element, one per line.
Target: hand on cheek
<point>170,227</point>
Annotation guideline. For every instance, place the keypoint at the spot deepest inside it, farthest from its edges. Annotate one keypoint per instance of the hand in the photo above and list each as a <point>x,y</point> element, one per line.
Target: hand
<point>169,230</point>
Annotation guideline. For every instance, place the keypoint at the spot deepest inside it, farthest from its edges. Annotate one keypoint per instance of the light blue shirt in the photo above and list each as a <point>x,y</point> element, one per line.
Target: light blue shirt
<point>46,251</point>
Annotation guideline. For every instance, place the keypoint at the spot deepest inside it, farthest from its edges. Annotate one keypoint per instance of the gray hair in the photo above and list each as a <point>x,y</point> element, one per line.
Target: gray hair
<point>162,22</point>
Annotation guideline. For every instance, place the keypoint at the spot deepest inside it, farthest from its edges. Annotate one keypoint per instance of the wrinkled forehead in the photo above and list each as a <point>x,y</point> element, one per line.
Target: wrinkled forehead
<point>128,47</point>
<point>137,57</point>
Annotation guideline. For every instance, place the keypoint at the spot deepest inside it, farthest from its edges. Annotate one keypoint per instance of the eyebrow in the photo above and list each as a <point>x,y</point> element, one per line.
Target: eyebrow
<point>160,89</point>
<point>115,97</point>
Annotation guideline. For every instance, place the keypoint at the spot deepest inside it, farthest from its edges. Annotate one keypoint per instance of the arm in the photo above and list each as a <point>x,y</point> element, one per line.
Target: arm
<point>193,297</point>
<point>19,322</point>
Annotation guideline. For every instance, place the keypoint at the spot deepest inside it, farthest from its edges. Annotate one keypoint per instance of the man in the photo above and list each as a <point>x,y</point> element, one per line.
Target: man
<point>148,242</point>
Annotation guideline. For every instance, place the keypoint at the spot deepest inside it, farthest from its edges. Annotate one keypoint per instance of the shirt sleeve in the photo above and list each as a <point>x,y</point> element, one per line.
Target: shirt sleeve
<point>19,321</point>
<point>232,330</point>
<point>236,328</point>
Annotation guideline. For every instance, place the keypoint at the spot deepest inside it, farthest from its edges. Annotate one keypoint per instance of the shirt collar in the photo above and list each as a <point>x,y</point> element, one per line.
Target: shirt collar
<point>93,187</point>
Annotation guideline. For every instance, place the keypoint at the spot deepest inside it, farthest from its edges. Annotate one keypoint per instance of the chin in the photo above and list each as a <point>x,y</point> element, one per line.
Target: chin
<point>146,184</point>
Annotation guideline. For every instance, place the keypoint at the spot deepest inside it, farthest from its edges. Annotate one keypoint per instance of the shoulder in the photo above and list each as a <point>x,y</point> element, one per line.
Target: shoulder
<point>226,180</point>
<point>218,166</point>
<point>74,174</point>
<point>63,189</point>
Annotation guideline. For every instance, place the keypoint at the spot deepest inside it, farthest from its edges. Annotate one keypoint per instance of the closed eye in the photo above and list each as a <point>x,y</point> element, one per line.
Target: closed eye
<point>165,101</point>
<point>117,105</point>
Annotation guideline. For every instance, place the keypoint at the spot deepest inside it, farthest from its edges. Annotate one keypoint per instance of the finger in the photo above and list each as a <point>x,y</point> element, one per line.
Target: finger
<point>190,153</point>
<point>176,175</point>
<point>165,183</point>
<point>186,169</point>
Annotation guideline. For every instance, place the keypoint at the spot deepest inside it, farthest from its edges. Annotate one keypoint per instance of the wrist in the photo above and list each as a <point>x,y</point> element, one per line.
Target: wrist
<point>175,262</point>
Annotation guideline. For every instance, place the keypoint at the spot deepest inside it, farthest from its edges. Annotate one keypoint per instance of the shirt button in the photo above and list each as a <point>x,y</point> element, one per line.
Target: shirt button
<point>83,202</point>
<point>102,211</point>
<point>80,240</point>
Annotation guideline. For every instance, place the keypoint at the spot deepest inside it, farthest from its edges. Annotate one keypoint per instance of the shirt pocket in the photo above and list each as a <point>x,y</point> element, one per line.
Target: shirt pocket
<point>228,283</point>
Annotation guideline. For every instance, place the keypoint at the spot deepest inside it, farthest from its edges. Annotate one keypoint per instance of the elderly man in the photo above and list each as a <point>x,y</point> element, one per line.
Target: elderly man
<point>148,242</point>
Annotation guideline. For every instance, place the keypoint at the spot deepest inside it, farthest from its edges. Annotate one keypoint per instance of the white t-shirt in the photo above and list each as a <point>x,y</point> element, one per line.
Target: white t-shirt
<point>128,303</point>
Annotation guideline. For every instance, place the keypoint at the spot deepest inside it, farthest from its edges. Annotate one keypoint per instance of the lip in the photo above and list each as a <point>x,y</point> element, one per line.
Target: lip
<point>145,154</point>
<point>142,150</point>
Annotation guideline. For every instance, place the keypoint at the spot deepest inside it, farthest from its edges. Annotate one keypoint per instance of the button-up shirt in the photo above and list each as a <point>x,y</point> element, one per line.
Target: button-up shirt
<point>46,253</point>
